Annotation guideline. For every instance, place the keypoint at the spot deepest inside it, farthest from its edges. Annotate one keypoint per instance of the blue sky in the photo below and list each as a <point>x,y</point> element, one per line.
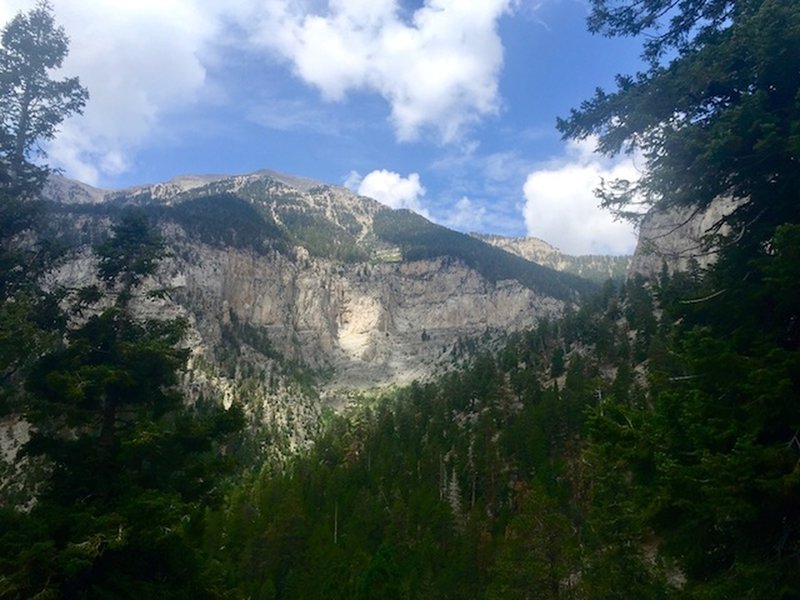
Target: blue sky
<point>447,107</point>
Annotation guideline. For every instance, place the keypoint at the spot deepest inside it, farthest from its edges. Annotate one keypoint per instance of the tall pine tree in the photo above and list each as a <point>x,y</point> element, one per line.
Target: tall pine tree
<point>132,467</point>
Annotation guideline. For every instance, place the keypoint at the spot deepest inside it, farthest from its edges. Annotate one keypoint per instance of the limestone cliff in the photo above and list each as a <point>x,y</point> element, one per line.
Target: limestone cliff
<point>598,268</point>
<point>678,238</point>
<point>295,290</point>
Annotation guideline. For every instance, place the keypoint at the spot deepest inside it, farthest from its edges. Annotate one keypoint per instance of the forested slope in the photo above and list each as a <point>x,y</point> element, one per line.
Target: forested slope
<point>641,447</point>
<point>644,445</point>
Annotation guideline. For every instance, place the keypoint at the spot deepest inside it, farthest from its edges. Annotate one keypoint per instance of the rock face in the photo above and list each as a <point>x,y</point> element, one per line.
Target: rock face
<point>362,320</point>
<point>675,238</point>
<point>284,280</point>
<point>598,268</point>
<point>530,248</point>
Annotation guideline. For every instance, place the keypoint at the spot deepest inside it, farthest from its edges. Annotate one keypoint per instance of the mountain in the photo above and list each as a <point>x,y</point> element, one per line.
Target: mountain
<point>680,239</point>
<point>300,294</point>
<point>560,458</point>
<point>595,267</point>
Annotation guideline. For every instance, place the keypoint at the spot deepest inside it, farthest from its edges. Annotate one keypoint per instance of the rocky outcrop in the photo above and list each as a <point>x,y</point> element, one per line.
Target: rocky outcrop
<point>678,238</point>
<point>529,248</point>
<point>290,294</point>
<point>366,321</point>
<point>597,268</point>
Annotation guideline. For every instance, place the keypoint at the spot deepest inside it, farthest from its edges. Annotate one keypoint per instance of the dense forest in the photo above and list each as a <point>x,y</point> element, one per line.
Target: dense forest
<point>609,454</point>
<point>644,445</point>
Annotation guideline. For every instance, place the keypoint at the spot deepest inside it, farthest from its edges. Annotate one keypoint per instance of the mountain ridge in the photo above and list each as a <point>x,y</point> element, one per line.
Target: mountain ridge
<point>297,296</point>
<point>595,267</point>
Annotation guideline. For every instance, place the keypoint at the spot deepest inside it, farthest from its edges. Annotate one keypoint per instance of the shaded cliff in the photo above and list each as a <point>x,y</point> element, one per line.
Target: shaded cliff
<point>680,239</point>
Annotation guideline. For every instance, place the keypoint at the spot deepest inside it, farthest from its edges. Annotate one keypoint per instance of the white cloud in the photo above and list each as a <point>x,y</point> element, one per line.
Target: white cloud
<point>145,61</point>
<point>561,208</point>
<point>140,61</point>
<point>438,70</point>
<point>393,190</point>
<point>352,180</point>
<point>466,215</point>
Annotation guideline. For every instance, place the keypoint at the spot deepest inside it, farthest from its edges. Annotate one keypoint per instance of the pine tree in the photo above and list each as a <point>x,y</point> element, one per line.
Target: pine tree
<point>131,466</point>
<point>32,104</point>
<point>708,457</point>
<point>538,559</point>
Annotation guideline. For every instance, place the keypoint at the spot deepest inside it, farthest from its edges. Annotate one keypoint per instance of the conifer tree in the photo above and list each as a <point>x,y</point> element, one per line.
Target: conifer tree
<point>708,458</point>
<point>32,104</point>
<point>131,466</point>
<point>715,114</point>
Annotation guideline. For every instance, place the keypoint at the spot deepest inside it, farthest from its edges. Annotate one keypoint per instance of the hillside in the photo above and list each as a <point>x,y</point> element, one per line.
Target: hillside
<point>610,453</point>
<point>597,268</point>
<point>261,386</point>
<point>537,435</point>
<point>297,293</point>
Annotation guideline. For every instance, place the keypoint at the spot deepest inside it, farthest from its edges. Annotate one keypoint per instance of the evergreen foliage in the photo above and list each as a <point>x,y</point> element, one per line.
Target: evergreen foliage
<point>712,453</point>
<point>322,237</point>
<point>447,490</point>
<point>716,115</point>
<point>130,466</point>
<point>668,474</point>
<point>32,104</point>
<point>644,445</point>
<point>226,221</point>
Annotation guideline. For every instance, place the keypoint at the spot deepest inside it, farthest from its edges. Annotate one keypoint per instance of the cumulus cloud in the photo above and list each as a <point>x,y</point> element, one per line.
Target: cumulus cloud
<point>438,69</point>
<point>391,189</point>
<point>139,61</point>
<point>561,208</point>
<point>146,61</point>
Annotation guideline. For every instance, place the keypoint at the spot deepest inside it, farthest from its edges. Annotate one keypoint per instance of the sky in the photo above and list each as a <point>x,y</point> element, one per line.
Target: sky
<point>444,107</point>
